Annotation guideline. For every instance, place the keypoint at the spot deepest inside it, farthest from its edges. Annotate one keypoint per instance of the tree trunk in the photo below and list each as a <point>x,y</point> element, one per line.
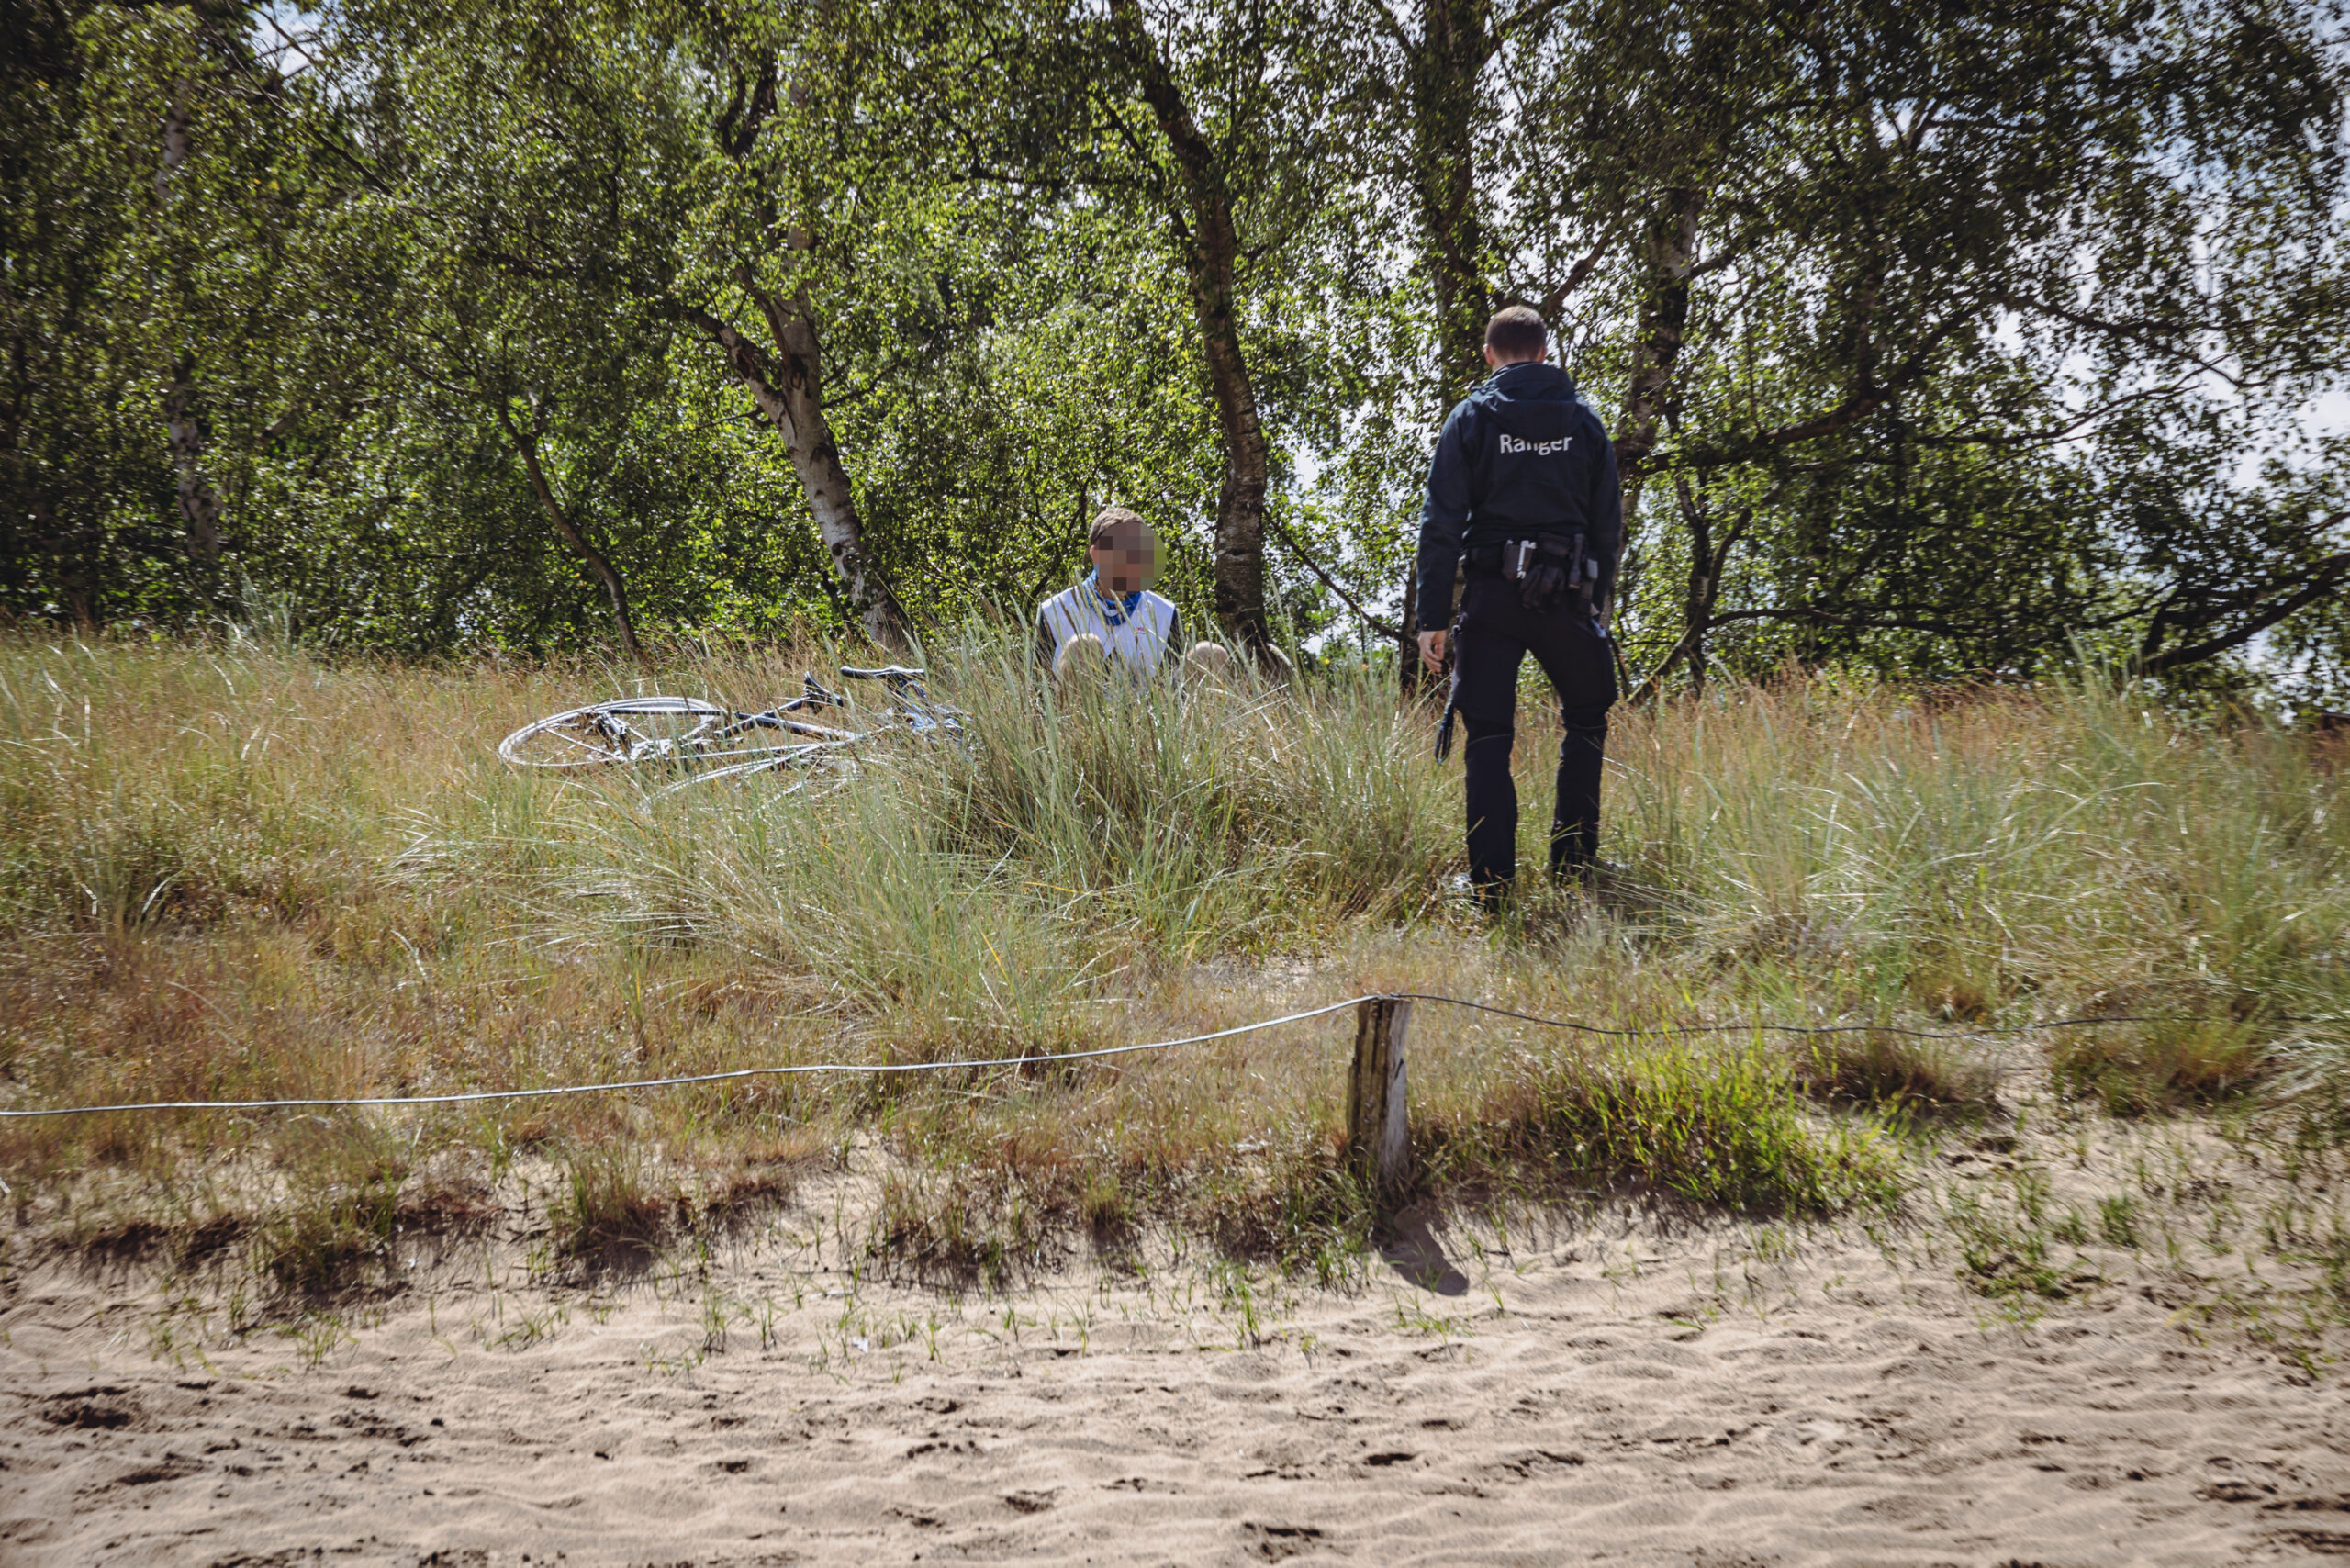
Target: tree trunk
<point>199,508</point>
<point>527,443</point>
<point>1210,243</point>
<point>1442,71</point>
<point>1240,506</point>
<point>1697,606</point>
<point>1671,252</point>
<point>793,401</point>
<point>1454,47</point>
<point>1407,636</point>
<point>789,391</point>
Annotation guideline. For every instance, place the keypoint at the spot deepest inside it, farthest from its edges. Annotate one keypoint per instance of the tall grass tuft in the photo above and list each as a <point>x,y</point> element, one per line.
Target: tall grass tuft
<point>609,1205</point>
<point>2136,1068</point>
<point>1900,1072</point>
<point>1710,1126</point>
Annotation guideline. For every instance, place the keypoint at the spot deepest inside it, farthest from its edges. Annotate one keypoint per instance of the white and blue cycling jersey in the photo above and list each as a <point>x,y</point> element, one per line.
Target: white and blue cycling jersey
<point>1136,628</point>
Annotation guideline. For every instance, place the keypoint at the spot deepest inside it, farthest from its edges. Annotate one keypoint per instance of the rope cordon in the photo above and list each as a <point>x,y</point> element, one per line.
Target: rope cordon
<point>475,1096</point>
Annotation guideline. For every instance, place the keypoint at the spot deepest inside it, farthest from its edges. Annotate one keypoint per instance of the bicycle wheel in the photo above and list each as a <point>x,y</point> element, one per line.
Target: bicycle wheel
<point>634,729</point>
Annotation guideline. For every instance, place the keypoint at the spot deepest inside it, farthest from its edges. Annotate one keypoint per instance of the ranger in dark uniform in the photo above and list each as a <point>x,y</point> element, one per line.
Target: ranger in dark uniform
<point>1522,495</point>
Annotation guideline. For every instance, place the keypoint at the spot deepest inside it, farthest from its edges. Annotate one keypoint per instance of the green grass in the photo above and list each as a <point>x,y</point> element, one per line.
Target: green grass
<point>240,871</point>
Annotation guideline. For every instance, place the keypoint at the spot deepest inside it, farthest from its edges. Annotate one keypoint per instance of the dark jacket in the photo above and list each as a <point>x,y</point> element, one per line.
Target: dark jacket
<point>1519,456</point>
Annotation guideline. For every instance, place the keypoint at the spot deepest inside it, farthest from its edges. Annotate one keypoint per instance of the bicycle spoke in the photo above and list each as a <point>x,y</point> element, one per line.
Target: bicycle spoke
<point>635,729</point>
<point>818,755</point>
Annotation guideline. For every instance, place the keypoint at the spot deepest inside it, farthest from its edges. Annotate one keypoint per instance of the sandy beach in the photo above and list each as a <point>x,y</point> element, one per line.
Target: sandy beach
<point>1615,1392</point>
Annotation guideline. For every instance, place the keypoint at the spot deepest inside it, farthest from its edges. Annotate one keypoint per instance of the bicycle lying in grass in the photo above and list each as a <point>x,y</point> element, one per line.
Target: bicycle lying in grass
<point>711,742</point>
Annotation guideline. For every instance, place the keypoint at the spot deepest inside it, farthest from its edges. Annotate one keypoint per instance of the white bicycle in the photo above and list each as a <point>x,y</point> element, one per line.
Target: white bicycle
<point>710,742</point>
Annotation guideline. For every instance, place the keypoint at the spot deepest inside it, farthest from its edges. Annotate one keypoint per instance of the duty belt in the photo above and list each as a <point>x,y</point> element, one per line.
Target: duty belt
<point>1560,566</point>
<point>1484,561</point>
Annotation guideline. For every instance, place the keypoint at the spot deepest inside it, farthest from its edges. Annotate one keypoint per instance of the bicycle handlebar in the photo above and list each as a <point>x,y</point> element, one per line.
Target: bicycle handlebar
<point>892,672</point>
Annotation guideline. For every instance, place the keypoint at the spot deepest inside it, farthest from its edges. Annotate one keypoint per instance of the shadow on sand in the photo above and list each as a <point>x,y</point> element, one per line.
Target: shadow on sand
<point>1413,1250</point>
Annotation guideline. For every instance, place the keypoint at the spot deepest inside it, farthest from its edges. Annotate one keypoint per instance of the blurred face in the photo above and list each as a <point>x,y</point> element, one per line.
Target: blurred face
<point>1127,566</point>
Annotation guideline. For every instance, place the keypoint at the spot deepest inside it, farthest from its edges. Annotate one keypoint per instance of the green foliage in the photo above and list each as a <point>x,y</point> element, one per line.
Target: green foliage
<point>1715,1128</point>
<point>1993,335</point>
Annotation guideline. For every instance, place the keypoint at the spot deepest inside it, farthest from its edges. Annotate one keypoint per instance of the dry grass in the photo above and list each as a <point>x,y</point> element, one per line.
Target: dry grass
<point>244,872</point>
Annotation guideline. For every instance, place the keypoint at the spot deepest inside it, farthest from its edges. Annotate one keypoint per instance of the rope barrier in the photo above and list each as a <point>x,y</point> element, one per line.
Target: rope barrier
<point>476,1096</point>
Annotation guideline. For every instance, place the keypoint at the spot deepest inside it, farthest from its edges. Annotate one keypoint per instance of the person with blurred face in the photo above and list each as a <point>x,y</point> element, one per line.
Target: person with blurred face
<point>1111,619</point>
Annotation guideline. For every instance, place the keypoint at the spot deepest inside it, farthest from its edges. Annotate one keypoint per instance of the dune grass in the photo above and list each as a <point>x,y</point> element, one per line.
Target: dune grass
<point>239,871</point>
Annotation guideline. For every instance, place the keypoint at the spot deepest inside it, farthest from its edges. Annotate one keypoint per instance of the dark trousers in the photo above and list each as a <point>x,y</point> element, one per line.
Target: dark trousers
<point>1495,634</point>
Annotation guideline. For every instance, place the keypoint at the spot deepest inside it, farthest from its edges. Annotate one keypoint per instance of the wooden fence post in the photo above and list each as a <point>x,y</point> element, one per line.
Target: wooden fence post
<point>1379,1142</point>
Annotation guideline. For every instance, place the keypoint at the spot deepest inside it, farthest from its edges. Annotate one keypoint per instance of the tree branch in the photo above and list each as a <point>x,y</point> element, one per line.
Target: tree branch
<point>2146,335</point>
<point>527,443</point>
<point>1555,299</point>
<point>1289,540</point>
<point>2326,574</point>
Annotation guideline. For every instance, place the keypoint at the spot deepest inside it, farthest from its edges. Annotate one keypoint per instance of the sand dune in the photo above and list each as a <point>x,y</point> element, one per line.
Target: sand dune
<point>1605,1398</point>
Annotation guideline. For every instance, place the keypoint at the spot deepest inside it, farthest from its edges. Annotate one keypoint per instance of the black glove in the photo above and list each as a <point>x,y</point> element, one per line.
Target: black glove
<point>1540,590</point>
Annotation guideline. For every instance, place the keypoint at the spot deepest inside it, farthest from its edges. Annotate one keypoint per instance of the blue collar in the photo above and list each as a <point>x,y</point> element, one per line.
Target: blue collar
<point>1114,608</point>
